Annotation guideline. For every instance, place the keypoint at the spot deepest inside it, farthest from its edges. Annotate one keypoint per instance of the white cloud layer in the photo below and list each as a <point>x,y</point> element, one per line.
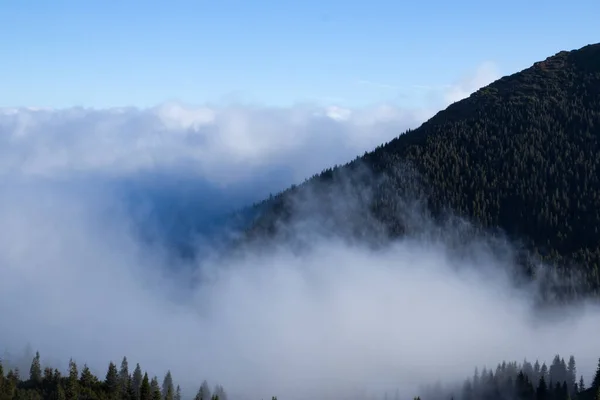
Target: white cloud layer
<point>225,144</point>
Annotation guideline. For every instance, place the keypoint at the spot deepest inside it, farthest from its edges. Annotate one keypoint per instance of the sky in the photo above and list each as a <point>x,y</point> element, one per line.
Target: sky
<point>65,53</point>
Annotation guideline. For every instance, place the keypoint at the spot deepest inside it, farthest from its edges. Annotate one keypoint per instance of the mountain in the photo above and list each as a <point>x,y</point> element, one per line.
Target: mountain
<point>521,154</point>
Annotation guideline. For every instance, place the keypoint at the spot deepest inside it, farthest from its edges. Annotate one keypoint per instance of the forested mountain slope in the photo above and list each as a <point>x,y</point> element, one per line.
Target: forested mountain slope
<point>521,154</point>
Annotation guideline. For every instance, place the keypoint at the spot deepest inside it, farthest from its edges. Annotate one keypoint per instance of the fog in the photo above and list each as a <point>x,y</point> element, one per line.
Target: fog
<point>333,320</point>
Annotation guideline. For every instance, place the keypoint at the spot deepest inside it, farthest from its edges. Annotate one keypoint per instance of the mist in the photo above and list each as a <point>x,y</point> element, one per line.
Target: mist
<point>338,319</point>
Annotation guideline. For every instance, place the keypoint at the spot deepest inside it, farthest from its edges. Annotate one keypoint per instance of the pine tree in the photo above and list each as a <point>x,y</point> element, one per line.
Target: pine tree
<point>10,384</point>
<point>124,381</point>
<point>178,393</point>
<point>544,372</point>
<point>537,373</point>
<point>136,382</point>
<point>87,379</point>
<point>72,389</point>
<point>542,390</point>
<point>572,375</point>
<point>131,391</point>
<point>219,392</point>
<point>1,378</point>
<point>112,381</point>
<point>145,392</point>
<point>35,371</point>
<point>168,390</point>
<point>60,393</point>
<point>203,392</point>
<point>596,381</point>
<point>581,384</point>
<point>155,389</point>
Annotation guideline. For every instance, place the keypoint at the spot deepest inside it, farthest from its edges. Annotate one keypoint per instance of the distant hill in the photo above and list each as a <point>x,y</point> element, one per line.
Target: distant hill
<point>521,154</point>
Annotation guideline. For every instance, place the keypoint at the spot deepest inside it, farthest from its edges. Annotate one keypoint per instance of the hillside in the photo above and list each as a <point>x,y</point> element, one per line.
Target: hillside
<point>521,154</point>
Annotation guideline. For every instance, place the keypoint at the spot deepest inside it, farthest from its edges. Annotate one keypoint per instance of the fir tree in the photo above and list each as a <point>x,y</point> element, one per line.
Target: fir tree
<point>542,390</point>
<point>572,374</point>
<point>72,389</point>
<point>60,393</point>
<point>1,378</point>
<point>203,392</point>
<point>219,392</point>
<point>112,381</point>
<point>155,389</point>
<point>136,382</point>
<point>35,371</point>
<point>596,381</point>
<point>145,392</point>
<point>168,390</point>
<point>124,379</point>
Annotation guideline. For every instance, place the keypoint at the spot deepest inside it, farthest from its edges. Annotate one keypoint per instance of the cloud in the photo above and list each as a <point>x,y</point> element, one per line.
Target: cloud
<point>182,165</point>
<point>224,145</point>
<point>335,319</point>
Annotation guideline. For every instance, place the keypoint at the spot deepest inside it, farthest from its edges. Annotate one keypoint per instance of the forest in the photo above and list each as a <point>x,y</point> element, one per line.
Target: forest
<point>118,383</point>
<point>518,157</point>
<point>509,381</point>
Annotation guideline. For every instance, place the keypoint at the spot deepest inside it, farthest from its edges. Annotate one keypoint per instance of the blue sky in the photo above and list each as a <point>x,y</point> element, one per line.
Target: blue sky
<point>115,53</point>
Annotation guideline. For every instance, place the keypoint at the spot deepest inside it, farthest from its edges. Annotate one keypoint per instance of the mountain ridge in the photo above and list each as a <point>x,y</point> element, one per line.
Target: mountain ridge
<point>519,154</point>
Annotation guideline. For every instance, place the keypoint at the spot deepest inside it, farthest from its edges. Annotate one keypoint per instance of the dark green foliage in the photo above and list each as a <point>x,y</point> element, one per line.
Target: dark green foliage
<point>520,154</point>
<point>145,390</point>
<point>116,385</point>
<point>112,381</point>
<point>123,379</point>
<point>136,382</point>
<point>509,380</point>
<point>72,386</point>
<point>35,372</point>
<point>155,389</point>
<point>596,381</point>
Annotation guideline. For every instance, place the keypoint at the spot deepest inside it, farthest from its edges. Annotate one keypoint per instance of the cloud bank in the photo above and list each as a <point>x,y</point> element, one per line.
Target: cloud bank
<point>223,145</point>
<point>179,166</point>
<point>335,320</point>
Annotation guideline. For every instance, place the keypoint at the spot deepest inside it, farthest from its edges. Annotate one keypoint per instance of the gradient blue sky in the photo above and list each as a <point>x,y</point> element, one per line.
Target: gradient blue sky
<point>58,53</point>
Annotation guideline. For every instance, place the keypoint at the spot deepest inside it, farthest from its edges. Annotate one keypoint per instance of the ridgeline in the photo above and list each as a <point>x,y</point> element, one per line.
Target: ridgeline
<point>521,155</point>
